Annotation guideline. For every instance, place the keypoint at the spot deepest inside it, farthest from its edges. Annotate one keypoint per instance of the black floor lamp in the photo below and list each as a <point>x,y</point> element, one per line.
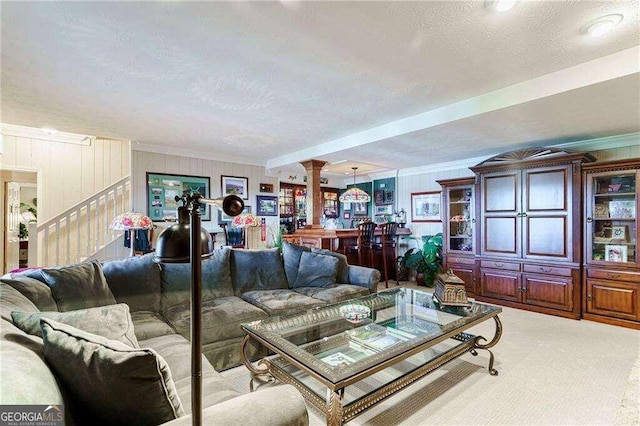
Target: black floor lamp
<point>187,242</point>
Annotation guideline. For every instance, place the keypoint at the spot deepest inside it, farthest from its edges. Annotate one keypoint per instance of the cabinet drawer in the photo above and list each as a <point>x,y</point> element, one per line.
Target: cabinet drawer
<point>507,266</point>
<point>461,260</point>
<point>551,270</point>
<point>613,275</point>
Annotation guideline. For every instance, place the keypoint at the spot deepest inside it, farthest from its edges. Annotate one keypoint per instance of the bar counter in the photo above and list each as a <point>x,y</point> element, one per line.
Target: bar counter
<point>335,239</point>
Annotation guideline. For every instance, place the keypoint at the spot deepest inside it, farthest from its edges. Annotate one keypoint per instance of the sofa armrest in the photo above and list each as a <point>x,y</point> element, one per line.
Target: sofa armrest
<point>276,406</point>
<point>364,277</point>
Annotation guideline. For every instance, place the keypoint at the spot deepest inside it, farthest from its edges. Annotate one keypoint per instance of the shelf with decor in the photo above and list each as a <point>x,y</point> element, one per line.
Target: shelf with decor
<point>611,278</point>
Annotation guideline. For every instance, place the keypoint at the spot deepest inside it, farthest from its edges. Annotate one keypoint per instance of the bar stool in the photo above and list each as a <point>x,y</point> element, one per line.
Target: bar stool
<point>363,243</point>
<point>233,237</point>
<point>388,243</point>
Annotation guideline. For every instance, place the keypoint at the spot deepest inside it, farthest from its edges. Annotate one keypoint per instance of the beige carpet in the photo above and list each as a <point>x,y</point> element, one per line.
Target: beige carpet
<point>552,371</point>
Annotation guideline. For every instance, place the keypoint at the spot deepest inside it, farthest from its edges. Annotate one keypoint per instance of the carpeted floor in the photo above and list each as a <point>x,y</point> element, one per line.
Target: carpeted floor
<point>552,371</point>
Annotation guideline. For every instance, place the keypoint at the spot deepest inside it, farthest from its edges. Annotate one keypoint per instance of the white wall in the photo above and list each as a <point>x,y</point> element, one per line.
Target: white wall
<point>144,162</point>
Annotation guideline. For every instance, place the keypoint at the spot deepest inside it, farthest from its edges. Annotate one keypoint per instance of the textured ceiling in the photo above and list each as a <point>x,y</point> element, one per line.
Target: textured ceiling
<point>389,85</point>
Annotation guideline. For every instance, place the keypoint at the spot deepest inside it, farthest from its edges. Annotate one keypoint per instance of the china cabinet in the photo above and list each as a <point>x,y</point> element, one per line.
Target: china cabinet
<point>529,223</point>
<point>459,245</point>
<point>611,291</point>
<point>292,201</point>
<point>330,202</point>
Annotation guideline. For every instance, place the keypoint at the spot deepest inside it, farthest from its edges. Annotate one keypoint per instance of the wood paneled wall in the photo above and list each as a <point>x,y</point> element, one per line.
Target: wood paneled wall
<point>67,173</point>
<point>144,162</point>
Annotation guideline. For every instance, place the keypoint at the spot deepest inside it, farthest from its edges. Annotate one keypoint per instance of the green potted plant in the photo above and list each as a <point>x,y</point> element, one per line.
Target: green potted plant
<point>427,261</point>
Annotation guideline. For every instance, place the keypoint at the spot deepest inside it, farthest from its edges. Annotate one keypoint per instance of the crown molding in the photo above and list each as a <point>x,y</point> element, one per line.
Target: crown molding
<point>181,152</point>
<point>40,134</point>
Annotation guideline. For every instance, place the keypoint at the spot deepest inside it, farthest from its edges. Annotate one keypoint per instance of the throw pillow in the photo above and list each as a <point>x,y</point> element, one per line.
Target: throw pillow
<point>36,291</point>
<point>135,281</point>
<point>316,270</point>
<point>342,275</point>
<point>78,286</point>
<point>112,322</point>
<point>291,256</point>
<point>109,380</point>
<point>257,270</point>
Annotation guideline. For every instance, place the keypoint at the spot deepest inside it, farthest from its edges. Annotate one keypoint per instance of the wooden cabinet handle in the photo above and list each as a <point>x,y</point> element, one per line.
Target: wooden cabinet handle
<point>614,276</point>
<point>543,269</point>
<point>499,265</point>
<point>589,297</point>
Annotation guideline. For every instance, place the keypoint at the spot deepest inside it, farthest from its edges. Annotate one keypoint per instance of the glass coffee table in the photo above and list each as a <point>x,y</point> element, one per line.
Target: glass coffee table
<point>346,357</point>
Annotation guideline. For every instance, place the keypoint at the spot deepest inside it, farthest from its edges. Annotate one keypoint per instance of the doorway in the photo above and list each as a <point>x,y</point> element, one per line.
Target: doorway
<point>19,207</point>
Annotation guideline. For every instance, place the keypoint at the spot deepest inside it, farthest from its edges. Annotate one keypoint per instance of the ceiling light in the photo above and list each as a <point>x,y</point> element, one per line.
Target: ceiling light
<point>504,5</point>
<point>500,5</point>
<point>602,25</point>
<point>354,194</point>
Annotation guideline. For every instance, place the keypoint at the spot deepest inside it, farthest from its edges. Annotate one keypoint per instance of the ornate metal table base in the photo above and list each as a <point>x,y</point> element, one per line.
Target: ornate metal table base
<point>333,405</point>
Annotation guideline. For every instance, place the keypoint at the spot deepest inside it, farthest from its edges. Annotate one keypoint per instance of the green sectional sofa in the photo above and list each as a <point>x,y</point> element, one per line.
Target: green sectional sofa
<point>133,312</point>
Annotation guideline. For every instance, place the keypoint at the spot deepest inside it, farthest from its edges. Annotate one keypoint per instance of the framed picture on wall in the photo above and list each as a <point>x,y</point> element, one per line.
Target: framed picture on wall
<point>267,205</point>
<point>163,188</point>
<point>235,185</point>
<point>425,207</point>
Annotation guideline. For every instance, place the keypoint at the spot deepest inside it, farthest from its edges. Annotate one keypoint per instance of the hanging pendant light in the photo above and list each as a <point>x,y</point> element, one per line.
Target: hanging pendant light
<point>354,194</point>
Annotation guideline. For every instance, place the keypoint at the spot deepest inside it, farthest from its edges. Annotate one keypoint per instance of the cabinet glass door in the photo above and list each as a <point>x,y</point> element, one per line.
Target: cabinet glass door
<point>612,220</point>
<point>461,229</point>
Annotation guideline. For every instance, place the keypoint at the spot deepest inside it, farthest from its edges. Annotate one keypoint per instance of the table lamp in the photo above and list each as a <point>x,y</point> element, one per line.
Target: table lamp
<point>187,242</point>
<point>131,221</point>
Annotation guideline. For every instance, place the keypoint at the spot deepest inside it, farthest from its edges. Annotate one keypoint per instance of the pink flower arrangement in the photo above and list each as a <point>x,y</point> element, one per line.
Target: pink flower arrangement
<point>131,220</point>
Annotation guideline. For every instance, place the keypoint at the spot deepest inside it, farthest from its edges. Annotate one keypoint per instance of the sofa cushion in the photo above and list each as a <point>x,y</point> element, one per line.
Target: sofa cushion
<point>221,318</point>
<point>78,286</point>
<point>36,291</point>
<point>316,270</point>
<point>149,324</point>
<point>111,321</point>
<point>277,302</point>
<point>257,270</point>
<point>135,281</point>
<point>175,350</point>
<point>291,256</point>
<point>342,275</point>
<point>12,300</point>
<point>216,279</point>
<point>110,380</point>
<point>334,294</point>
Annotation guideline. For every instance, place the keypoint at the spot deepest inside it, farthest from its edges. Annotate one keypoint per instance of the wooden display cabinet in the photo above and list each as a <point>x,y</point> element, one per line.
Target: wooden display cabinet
<point>459,236</point>
<point>330,203</point>
<point>530,243</point>
<point>611,290</point>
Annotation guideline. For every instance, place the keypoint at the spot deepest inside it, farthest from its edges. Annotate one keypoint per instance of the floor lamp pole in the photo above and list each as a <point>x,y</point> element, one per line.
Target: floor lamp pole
<point>196,314</point>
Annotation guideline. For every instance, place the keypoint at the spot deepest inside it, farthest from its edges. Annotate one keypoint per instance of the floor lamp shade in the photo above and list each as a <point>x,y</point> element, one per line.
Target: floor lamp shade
<point>174,244</point>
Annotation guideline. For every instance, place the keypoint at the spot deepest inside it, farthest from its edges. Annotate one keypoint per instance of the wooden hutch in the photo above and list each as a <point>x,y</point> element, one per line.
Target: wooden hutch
<point>611,276</point>
<point>529,241</point>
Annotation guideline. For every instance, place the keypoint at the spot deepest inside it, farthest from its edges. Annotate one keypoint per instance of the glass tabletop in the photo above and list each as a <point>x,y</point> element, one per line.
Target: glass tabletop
<point>341,340</point>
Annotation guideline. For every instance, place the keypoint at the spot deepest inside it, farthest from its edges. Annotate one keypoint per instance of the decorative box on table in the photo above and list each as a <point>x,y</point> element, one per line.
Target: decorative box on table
<point>450,290</point>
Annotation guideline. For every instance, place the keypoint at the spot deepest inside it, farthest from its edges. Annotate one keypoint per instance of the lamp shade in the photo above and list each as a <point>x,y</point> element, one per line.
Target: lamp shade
<point>131,220</point>
<point>355,195</point>
<point>245,220</point>
<point>174,243</point>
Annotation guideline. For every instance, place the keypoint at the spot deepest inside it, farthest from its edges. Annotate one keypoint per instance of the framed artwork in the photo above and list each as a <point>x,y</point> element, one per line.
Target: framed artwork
<point>162,189</point>
<point>346,215</point>
<point>266,187</point>
<point>360,209</point>
<point>620,232</point>
<point>235,185</point>
<point>380,210</point>
<point>378,197</point>
<point>425,207</point>
<point>388,197</point>
<point>615,253</point>
<point>267,205</point>
<point>223,217</point>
